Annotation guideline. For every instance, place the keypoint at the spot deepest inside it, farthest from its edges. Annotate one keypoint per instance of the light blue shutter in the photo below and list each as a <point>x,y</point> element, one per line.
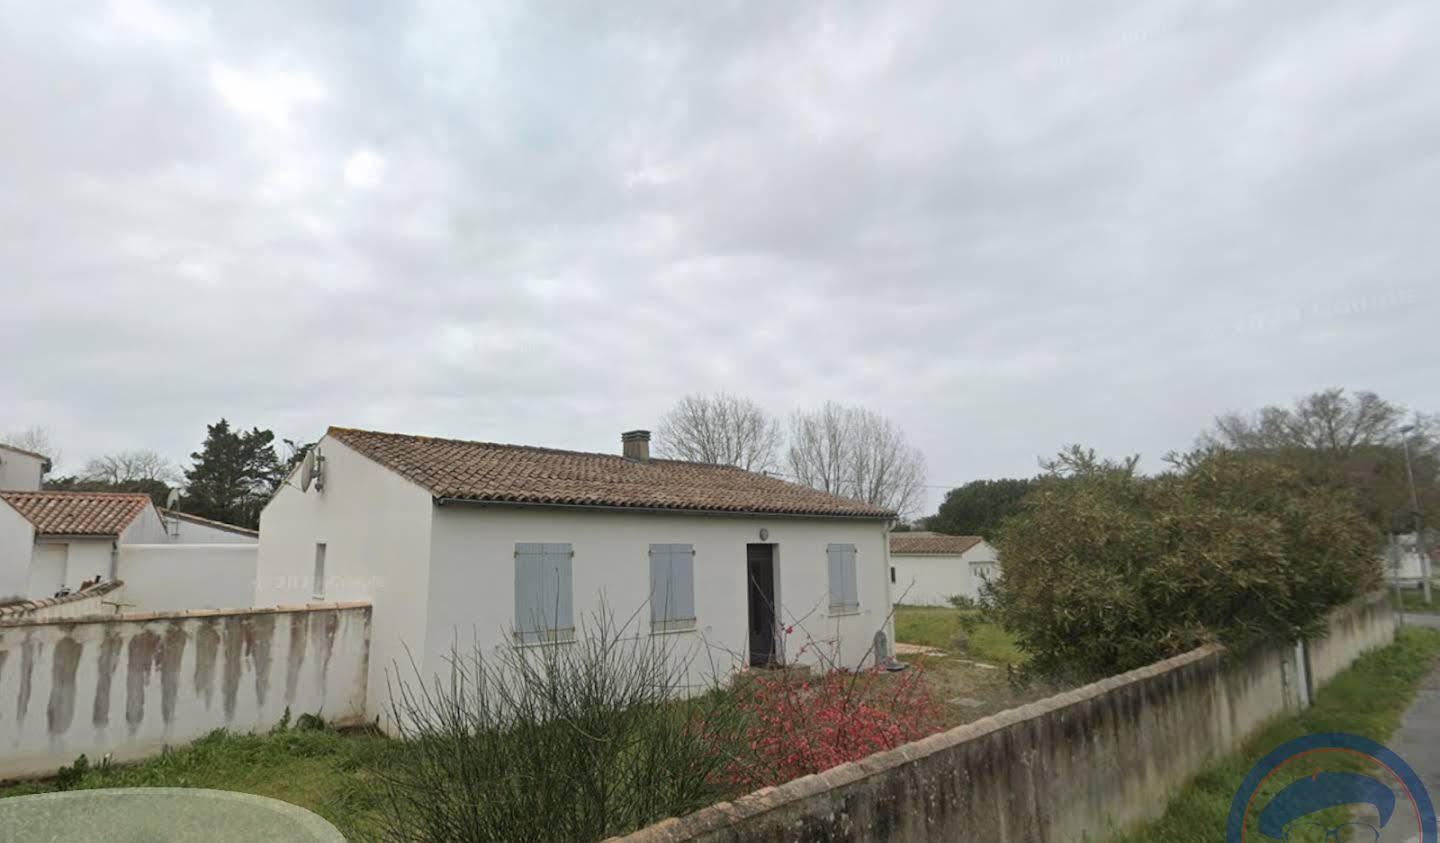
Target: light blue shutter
<point>852,582</point>
<point>659,583</point>
<point>682,582</point>
<point>559,594</point>
<point>835,558</point>
<point>529,591</point>
<point>844,587</point>
<point>672,583</point>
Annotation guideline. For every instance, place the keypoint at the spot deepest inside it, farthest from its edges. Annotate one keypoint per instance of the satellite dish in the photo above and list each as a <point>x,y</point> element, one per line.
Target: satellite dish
<point>172,499</point>
<point>307,470</point>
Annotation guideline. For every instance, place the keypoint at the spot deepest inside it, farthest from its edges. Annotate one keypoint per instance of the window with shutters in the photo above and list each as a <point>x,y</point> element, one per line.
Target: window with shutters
<point>672,587</point>
<point>844,593</point>
<point>544,611</point>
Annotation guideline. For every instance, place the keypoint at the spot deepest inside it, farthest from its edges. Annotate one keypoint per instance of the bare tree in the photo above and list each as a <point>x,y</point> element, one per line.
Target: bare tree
<point>130,467</point>
<point>1329,423</point>
<point>720,428</point>
<point>857,453</point>
<point>1351,439</point>
<point>35,439</point>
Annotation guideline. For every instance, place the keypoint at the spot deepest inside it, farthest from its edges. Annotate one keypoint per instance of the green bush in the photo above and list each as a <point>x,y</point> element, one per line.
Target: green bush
<point>1105,570</point>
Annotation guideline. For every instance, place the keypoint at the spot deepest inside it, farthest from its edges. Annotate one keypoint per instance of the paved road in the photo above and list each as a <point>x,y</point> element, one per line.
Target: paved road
<point>1418,740</point>
<point>1430,620</point>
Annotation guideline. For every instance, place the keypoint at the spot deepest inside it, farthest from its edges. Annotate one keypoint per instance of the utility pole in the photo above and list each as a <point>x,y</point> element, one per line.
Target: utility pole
<point>1420,545</point>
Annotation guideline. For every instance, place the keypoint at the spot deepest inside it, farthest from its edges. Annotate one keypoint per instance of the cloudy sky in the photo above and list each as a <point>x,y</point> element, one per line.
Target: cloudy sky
<point>1006,226</point>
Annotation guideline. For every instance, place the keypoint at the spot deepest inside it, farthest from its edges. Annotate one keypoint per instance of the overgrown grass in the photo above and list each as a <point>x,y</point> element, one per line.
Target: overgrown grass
<point>941,627</point>
<point>328,772</point>
<point>1369,699</point>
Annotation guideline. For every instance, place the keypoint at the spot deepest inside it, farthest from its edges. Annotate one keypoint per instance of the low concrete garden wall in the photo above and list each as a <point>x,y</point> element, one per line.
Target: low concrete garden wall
<point>130,685</point>
<point>1076,765</point>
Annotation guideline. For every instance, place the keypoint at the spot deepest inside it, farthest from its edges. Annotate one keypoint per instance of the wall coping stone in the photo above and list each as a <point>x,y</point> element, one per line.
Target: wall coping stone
<point>191,613</point>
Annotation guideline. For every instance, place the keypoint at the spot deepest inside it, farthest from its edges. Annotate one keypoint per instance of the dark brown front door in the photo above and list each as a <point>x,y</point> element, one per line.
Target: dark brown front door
<point>760,584</point>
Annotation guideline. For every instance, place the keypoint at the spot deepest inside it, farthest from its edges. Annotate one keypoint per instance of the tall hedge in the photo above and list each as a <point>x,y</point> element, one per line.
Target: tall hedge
<point>1104,570</point>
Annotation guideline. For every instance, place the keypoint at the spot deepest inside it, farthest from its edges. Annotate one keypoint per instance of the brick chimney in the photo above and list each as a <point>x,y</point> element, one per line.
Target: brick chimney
<point>635,445</point>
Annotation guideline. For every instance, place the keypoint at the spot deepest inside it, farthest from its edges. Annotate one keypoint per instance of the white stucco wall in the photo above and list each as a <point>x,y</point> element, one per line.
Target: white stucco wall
<point>174,577</point>
<point>86,557</point>
<point>132,686</point>
<point>931,579</point>
<point>17,542</point>
<point>48,564</point>
<point>376,526</point>
<point>19,472</point>
<point>471,593</point>
<point>147,528</point>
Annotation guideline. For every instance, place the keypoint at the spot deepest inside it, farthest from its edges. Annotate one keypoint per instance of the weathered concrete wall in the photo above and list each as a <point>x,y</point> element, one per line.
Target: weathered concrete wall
<point>1362,626</point>
<point>89,602</point>
<point>1076,765</point>
<point>129,686</point>
<point>177,577</point>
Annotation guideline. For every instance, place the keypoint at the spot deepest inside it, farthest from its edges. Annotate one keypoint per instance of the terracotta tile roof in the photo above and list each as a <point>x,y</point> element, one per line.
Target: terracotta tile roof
<point>206,522</point>
<point>484,471</point>
<point>932,543</point>
<point>78,513</point>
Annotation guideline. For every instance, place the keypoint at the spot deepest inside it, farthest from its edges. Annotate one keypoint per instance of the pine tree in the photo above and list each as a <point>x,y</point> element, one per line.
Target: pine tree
<point>232,476</point>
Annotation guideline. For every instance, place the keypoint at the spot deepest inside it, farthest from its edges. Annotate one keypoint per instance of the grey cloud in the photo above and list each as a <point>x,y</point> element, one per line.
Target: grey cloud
<point>1006,227</point>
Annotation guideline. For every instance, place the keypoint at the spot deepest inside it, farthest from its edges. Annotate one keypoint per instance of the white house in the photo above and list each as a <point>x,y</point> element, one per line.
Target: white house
<point>926,569</point>
<point>1403,559</point>
<point>51,542</point>
<point>461,542</point>
<point>21,471</point>
<point>54,541</point>
<point>184,528</point>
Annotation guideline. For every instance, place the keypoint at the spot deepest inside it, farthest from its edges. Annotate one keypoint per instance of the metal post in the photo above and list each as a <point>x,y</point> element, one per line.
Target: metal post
<point>1420,546</point>
<point>1392,553</point>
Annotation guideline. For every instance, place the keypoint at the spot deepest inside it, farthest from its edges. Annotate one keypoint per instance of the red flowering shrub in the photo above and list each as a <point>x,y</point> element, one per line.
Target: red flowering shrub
<point>795,727</point>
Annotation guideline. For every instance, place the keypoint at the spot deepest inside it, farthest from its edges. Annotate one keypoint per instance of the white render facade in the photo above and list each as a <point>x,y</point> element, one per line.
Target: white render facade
<point>21,471</point>
<point>442,574</point>
<point>931,579</point>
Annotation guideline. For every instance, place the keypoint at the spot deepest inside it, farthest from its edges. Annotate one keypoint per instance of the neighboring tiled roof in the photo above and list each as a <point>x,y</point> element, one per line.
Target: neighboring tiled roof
<point>206,522</point>
<point>78,513</point>
<point>484,471</point>
<point>41,457</point>
<point>19,609</point>
<point>932,543</point>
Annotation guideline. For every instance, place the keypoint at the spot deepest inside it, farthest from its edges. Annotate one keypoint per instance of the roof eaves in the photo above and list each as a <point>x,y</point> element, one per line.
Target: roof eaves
<point>667,510</point>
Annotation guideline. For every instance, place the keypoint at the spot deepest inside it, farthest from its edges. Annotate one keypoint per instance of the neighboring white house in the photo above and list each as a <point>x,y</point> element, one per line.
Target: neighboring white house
<point>21,471</point>
<point>926,569</point>
<point>1402,558</point>
<point>457,542</point>
<point>53,541</point>
<point>184,528</point>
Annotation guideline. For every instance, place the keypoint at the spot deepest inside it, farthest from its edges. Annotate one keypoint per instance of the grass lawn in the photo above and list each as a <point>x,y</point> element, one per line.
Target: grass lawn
<point>324,771</point>
<point>1413,600</point>
<point>939,627</point>
<point>1369,699</point>
<point>971,677</point>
